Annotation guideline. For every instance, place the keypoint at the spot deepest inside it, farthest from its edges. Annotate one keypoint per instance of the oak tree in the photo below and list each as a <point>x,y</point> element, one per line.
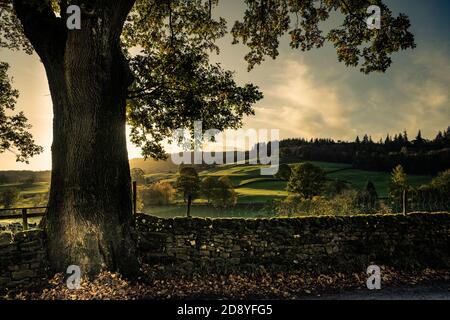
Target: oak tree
<point>146,63</point>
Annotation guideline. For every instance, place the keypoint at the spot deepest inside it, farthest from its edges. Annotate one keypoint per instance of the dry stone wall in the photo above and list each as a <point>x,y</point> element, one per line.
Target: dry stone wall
<point>322,244</point>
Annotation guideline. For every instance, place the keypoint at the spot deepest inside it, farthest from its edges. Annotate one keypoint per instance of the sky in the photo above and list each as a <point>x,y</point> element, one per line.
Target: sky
<point>305,94</point>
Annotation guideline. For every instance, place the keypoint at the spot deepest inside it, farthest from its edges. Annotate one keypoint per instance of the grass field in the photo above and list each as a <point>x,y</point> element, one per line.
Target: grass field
<point>206,211</point>
<point>358,178</point>
<point>250,186</point>
<point>31,189</point>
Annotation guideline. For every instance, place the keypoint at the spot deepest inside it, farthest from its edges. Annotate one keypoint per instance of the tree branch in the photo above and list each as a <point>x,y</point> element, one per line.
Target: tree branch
<point>40,24</point>
<point>122,10</point>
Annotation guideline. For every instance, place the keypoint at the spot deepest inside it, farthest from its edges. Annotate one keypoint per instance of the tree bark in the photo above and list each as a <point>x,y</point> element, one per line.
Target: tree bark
<point>89,222</point>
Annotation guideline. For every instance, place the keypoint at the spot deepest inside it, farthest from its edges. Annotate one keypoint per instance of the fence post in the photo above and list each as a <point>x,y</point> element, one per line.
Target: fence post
<point>134,197</point>
<point>24,219</point>
<point>404,201</point>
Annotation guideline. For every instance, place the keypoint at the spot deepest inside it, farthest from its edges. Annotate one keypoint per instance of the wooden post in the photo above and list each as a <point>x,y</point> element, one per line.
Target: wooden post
<point>24,219</point>
<point>188,212</point>
<point>404,201</point>
<point>134,197</point>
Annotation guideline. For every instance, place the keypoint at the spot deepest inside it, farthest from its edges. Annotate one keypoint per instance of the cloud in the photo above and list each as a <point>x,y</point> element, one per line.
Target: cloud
<point>300,105</point>
<point>309,99</point>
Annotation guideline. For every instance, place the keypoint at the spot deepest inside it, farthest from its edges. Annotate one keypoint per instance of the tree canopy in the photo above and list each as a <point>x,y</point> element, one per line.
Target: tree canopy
<point>307,180</point>
<point>14,135</point>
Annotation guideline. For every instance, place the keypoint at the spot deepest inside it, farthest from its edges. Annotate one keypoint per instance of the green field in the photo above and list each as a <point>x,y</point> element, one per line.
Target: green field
<point>357,179</point>
<point>250,186</point>
<point>179,210</point>
<point>28,189</point>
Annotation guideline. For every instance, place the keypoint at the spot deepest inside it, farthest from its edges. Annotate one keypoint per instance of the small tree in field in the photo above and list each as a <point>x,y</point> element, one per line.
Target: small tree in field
<point>9,197</point>
<point>398,188</point>
<point>367,199</point>
<point>284,172</point>
<point>307,180</point>
<point>208,185</point>
<point>188,184</point>
<point>224,195</point>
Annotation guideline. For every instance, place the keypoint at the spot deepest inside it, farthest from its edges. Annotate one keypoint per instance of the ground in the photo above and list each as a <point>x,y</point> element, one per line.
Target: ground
<point>153,284</point>
<point>427,291</point>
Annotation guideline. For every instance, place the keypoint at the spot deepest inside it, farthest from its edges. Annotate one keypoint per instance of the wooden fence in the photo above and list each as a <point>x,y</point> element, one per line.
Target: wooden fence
<point>24,214</point>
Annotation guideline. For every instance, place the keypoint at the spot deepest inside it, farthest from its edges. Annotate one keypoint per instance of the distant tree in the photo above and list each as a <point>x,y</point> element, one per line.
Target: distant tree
<point>207,187</point>
<point>439,137</point>
<point>30,180</point>
<point>188,184</point>
<point>336,187</point>
<point>405,137</point>
<point>367,199</point>
<point>358,141</point>
<point>3,179</point>
<point>9,196</point>
<point>138,175</point>
<point>446,138</point>
<point>442,182</point>
<point>365,139</point>
<point>307,180</point>
<point>284,172</point>
<point>418,141</point>
<point>388,140</point>
<point>224,195</point>
<point>398,186</point>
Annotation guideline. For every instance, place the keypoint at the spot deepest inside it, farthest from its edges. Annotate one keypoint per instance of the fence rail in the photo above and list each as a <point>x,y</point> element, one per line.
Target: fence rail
<point>24,214</point>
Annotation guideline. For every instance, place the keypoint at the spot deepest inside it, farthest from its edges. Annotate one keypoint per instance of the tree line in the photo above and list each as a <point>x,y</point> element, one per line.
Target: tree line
<point>416,156</point>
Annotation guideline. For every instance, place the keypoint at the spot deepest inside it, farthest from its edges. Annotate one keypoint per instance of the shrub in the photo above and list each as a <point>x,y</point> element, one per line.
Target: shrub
<point>9,196</point>
<point>397,187</point>
<point>158,193</point>
<point>341,204</point>
<point>284,172</point>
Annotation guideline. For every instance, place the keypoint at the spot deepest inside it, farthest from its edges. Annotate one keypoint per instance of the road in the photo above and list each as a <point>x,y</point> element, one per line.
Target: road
<point>431,291</point>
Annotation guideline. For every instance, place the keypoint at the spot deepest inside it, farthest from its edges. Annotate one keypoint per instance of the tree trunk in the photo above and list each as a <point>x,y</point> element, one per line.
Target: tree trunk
<point>89,222</point>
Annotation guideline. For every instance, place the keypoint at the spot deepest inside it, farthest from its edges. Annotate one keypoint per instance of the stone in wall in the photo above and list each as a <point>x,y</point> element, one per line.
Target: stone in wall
<point>23,259</point>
